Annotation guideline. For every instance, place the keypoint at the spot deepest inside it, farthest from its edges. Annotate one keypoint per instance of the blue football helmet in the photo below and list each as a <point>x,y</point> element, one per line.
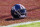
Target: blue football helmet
<point>18,11</point>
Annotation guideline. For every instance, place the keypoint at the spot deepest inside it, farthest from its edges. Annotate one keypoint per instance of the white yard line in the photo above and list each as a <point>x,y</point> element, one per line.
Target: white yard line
<point>21,23</point>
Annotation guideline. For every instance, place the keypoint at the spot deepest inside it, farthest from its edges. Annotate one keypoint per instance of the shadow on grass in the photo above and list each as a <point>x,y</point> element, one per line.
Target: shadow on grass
<point>13,19</point>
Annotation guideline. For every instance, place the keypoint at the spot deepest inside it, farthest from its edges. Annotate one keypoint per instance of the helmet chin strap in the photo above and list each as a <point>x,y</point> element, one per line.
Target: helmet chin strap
<point>15,10</point>
<point>18,12</point>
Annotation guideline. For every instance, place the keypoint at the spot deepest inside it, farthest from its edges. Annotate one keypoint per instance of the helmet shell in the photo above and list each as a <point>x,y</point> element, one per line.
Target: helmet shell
<point>20,8</point>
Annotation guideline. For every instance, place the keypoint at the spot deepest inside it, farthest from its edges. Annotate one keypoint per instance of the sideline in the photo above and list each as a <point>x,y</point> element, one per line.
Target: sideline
<point>20,23</point>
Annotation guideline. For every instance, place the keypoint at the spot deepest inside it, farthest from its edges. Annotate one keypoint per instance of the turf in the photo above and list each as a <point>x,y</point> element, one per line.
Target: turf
<point>37,24</point>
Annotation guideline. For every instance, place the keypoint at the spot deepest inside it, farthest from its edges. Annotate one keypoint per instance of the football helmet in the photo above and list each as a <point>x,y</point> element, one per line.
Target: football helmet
<point>18,11</point>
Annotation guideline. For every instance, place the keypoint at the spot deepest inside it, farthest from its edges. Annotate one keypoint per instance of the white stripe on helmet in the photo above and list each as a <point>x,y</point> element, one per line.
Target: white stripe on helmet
<point>22,7</point>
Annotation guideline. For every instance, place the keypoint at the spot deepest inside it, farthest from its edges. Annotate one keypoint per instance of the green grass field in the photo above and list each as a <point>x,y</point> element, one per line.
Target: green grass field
<point>37,24</point>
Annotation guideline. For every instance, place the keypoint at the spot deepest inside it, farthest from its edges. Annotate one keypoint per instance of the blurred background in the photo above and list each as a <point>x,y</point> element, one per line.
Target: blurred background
<point>32,7</point>
<point>6,5</point>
